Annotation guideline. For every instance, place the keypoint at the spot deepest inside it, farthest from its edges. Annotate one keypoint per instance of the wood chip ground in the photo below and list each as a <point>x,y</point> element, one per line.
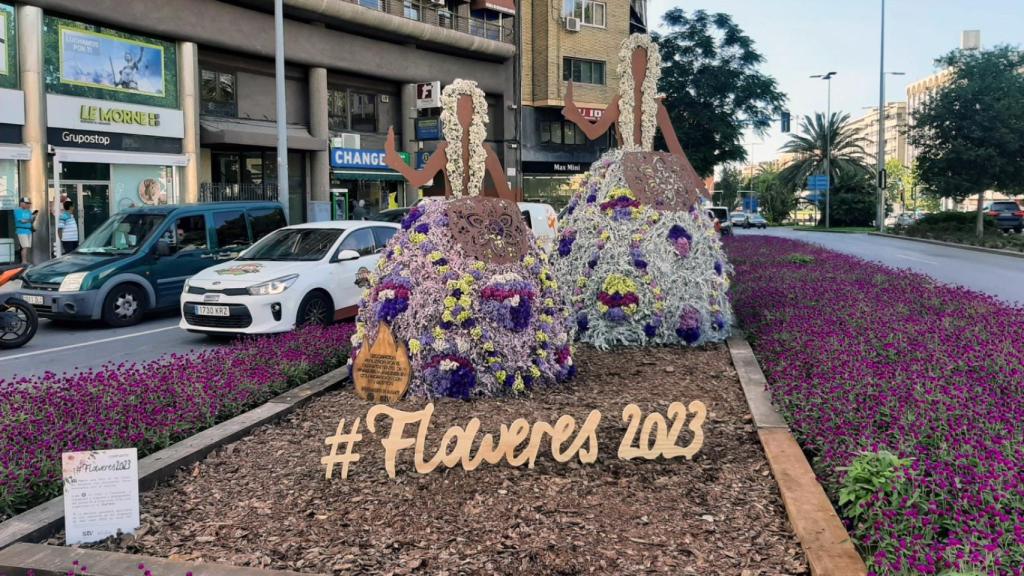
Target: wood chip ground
<point>264,502</point>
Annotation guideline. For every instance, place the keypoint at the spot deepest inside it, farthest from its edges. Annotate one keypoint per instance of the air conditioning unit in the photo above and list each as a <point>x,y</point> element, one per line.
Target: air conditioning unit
<point>572,24</point>
<point>350,140</point>
<point>438,2</point>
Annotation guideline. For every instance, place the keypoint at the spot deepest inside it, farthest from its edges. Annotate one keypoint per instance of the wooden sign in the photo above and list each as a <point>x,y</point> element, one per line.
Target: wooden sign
<point>381,372</point>
<point>661,180</point>
<point>519,443</point>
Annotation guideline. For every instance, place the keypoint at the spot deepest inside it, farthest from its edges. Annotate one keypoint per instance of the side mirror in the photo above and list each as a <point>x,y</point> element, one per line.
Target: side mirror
<point>346,256</point>
<point>162,248</point>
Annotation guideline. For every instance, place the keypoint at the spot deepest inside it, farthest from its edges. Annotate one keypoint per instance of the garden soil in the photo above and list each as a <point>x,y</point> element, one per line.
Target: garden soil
<point>264,501</point>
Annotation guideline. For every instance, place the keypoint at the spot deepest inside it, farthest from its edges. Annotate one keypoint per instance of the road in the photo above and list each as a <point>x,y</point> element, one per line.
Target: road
<point>994,274</point>
<point>66,347</point>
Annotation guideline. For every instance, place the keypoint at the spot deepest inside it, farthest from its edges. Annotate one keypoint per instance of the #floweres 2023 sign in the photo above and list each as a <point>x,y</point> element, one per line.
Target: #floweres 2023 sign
<point>107,62</point>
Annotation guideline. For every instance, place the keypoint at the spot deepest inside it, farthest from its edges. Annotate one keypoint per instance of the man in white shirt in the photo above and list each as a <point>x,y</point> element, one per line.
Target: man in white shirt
<point>68,229</point>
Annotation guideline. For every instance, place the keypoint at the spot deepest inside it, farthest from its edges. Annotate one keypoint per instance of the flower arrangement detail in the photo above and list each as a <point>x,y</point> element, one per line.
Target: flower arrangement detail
<point>452,131</point>
<point>649,91</point>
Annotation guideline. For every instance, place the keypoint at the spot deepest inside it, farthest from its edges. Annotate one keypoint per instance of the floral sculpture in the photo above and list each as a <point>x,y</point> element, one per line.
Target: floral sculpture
<point>463,283</point>
<point>640,259</point>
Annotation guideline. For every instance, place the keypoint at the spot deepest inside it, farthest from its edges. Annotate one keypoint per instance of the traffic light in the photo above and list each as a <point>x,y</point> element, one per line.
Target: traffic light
<point>785,122</point>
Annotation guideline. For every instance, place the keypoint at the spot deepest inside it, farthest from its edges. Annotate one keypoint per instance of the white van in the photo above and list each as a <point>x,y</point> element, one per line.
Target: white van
<point>543,220</point>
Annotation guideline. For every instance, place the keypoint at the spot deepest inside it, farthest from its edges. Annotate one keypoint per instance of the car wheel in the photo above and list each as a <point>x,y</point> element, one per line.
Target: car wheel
<point>124,305</point>
<point>315,308</point>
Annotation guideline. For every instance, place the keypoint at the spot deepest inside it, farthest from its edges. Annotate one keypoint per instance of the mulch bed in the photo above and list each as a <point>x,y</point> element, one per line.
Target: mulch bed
<point>263,501</point>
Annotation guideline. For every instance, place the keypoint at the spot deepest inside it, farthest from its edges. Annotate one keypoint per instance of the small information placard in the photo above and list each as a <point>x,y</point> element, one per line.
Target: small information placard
<point>101,494</point>
<point>382,372</point>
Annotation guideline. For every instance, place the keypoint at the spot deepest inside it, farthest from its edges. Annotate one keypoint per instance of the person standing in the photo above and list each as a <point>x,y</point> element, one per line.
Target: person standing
<point>24,220</point>
<point>360,212</point>
<point>68,229</point>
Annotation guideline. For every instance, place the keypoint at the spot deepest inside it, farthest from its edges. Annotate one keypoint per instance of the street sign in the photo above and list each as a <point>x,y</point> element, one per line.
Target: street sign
<point>882,178</point>
<point>817,182</point>
<point>428,95</point>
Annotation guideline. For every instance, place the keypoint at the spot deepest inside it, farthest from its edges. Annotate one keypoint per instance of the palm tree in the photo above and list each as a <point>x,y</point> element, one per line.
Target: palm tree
<point>846,150</point>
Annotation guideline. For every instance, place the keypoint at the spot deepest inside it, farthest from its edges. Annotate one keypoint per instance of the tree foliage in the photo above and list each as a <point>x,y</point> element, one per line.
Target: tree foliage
<point>970,133</point>
<point>713,86</point>
<point>846,150</point>
<point>727,189</point>
<point>854,199</point>
<point>776,199</point>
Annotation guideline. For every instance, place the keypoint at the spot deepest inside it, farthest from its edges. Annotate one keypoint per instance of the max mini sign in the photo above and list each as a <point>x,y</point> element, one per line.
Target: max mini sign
<point>651,436</point>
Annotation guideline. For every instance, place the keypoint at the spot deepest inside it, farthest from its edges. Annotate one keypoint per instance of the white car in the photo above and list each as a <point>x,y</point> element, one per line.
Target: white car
<point>542,220</point>
<point>303,274</point>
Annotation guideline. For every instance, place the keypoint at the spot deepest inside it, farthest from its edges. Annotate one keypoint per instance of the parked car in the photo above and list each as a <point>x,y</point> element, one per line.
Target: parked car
<point>904,219</point>
<point>390,215</point>
<point>740,219</point>
<point>303,274</point>
<point>757,221</point>
<point>720,215</point>
<point>138,259</point>
<point>1007,214</point>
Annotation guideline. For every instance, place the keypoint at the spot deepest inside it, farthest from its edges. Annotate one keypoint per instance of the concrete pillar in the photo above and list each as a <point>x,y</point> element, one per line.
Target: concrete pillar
<point>189,94</point>
<point>34,175</point>
<point>319,161</point>
<point>407,109</point>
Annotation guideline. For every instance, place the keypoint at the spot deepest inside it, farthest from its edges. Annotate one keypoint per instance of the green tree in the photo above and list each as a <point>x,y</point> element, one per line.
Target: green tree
<point>713,87</point>
<point>776,199</point>
<point>970,134</point>
<point>846,150</point>
<point>854,199</point>
<point>898,183</point>
<point>727,189</point>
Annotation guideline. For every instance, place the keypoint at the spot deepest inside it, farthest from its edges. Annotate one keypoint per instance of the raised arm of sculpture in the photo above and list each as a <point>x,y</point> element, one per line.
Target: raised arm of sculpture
<point>592,129</point>
<point>672,141</point>
<point>416,178</point>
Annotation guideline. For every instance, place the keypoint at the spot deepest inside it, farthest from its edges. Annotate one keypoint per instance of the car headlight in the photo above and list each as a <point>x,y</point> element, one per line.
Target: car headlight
<point>73,282</point>
<point>271,287</point>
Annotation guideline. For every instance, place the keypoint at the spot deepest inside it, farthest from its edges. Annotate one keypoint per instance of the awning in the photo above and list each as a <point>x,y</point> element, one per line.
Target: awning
<point>118,157</point>
<point>504,6</point>
<point>366,175</point>
<point>255,133</point>
<point>15,152</point>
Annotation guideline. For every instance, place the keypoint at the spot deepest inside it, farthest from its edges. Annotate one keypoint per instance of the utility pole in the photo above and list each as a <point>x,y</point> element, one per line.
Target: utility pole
<point>282,120</point>
<point>828,146</point>
<point>881,126</point>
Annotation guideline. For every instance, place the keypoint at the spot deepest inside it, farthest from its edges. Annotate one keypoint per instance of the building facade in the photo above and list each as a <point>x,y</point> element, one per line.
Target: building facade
<point>574,40</point>
<point>866,129</point>
<point>120,103</point>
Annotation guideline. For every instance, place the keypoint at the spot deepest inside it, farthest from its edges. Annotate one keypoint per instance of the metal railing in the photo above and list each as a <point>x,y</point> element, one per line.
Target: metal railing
<point>218,192</point>
<point>437,14</point>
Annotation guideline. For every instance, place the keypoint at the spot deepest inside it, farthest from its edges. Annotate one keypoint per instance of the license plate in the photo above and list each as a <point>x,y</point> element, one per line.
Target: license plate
<point>213,311</point>
<point>37,300</point>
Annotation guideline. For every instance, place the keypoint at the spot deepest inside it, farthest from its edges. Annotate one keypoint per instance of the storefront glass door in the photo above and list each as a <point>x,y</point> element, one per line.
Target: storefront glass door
<point>91,201</point>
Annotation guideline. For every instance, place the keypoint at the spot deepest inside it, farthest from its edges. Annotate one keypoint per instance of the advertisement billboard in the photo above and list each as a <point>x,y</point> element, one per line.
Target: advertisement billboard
<point>94,59</point>
<point>8,48</point>
<point>106,64</point>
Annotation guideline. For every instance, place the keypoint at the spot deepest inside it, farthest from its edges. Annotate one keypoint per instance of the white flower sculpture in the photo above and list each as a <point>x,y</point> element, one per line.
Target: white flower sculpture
<point>649,91</point>
<point>453,136</point>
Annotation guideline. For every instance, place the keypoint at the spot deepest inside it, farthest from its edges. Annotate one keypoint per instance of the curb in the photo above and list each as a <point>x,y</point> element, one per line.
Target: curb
<point>997,251</point>
<point>825,542</point>
<point>46,519</point>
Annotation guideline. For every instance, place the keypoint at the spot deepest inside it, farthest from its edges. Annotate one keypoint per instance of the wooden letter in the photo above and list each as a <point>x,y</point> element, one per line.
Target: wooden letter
<point>396,440</point>
<point>631,415</point>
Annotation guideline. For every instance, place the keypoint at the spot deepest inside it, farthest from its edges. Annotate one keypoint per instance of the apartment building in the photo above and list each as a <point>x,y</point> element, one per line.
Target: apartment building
<point>866,129</point>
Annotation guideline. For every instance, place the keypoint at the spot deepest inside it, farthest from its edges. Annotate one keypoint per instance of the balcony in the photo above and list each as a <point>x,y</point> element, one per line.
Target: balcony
<point>437,14</point>
<point>220,192</point>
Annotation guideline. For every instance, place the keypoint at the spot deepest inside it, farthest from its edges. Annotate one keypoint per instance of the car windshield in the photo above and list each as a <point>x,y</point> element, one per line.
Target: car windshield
<point>302,244</point>
<point>121,234</point>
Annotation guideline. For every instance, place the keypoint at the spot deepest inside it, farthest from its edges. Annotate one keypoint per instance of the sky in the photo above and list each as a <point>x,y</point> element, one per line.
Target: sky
<point>803,37</point>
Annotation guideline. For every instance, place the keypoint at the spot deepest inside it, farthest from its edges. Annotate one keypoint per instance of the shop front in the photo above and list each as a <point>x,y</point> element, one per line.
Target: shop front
<point>12,151</point>
<point>114,127</point>
<point>361,175</point>
<point>554,151</point>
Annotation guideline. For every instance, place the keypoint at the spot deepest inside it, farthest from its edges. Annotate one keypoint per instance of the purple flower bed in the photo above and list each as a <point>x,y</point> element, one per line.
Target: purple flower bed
<point>864,358</point>
<point>147,405</point>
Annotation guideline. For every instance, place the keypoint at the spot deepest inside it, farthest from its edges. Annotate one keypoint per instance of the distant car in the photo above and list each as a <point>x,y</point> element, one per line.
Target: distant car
<point>303,274</point>
<point>757,221</point>
<point>391,215</point>
<point>740,219</point>
<point>1007,214</point>
<point>905,219</point>
<point>720,215</point>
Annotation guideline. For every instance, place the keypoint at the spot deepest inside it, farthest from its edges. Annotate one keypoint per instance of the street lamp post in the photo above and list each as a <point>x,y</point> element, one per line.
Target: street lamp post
<point>828,146</point>
<point>282,130</point>
<point>880,214</point>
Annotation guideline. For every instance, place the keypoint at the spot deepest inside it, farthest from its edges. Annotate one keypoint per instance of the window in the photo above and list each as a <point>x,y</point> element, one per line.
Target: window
<point>561,132</point>
<point>411,10</point>
<point>187,233</point>
<point>371,4</point>
<point>381,235</point>
<point>218,93</point>
<point>264,221</point>
<point>588,12</point>
<point>583,71</point>
<point>364,112</point>
<point>337,109</point>
<point>231,229</point>
<point>359,240</point>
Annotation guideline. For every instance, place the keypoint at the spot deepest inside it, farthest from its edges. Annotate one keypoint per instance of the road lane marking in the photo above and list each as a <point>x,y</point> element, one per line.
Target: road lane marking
<point>914,258</point>
<point>70,346</point>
